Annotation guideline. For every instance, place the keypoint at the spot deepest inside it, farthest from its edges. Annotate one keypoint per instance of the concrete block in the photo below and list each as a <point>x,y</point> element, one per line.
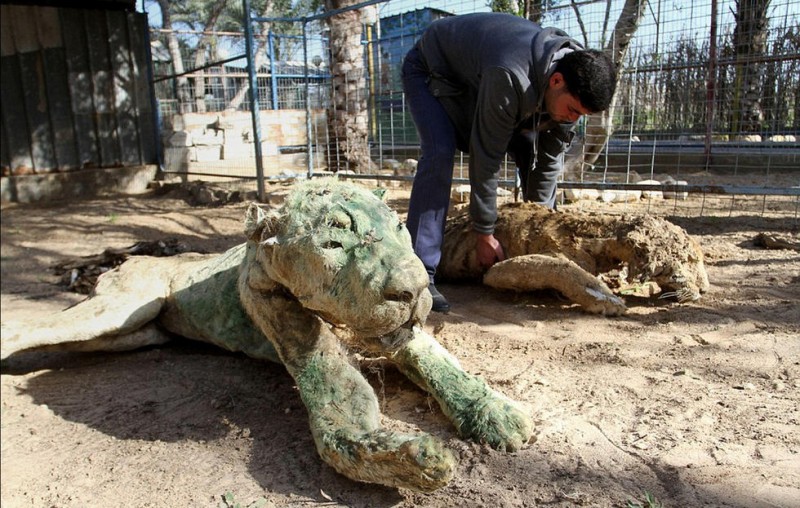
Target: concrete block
<point>204,153</point>
<point>572,195</point>
<point>180,138</point>
<point>679,194</point>
<point>238,150</point>
<point>651,194</point>
<point>269,149</point>
<point>620,196</point>
<point>176,158</point>
<point>81,184</point>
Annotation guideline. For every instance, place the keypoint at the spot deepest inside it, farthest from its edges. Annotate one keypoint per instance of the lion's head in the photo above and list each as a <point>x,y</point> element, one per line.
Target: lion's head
<point>344,255</point>
<point>668,255</point>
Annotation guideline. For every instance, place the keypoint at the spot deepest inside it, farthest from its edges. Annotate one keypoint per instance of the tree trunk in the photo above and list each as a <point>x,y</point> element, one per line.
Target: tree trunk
<point>200,80</point>
<point>585,151</point>
<point>183,95</point>
<point>796,123</point>
<point>750,41</point>
<point>533,10</point>
<point>260,50</point>
<point>200,54</point>
<point>347,117</point>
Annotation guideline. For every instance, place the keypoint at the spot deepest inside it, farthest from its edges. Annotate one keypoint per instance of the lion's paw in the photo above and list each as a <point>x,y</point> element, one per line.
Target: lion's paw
<point>417,462</point>
<point>604,302</point>
<point>432,464</point>
<point>499,422</point>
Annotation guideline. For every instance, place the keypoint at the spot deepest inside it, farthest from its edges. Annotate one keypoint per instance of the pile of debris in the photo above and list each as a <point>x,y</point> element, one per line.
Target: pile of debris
<point>80,275</point>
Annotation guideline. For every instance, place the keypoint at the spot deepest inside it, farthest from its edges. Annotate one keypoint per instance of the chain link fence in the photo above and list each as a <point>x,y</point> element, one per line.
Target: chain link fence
<point>705,122</point>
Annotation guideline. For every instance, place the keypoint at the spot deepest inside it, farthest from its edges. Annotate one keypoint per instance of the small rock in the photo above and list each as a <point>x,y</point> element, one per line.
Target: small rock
<point>390,164</point>
<point>686,372</point>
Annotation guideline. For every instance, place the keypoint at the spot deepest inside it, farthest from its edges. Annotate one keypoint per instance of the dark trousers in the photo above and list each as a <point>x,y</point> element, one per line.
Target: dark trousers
<point>430,193</point>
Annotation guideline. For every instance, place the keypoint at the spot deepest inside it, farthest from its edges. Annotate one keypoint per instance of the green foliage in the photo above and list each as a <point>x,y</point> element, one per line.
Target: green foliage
<point>650,501</point>
<point>669,91</point>
<point>507,6</point>
<point>529,9</point>
<point>229,501</point>
<point>195,14</point>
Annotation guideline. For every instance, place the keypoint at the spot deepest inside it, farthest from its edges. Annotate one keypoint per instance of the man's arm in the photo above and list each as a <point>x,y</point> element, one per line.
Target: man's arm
<point>540,185</point>
<point>496,114</point>
<point>488,250</point>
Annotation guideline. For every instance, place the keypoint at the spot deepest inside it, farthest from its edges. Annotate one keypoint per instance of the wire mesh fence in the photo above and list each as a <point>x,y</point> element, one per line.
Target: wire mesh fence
<point>205,104</point>
<point>705,120</point>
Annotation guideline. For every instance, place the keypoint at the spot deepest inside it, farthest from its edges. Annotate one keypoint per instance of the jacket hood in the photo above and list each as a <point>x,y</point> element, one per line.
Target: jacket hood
<point>545,47</point>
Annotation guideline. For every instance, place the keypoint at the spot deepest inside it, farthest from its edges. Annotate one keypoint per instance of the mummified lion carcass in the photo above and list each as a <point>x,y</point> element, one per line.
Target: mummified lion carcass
<point>566,251</point>
<point>330,272</point>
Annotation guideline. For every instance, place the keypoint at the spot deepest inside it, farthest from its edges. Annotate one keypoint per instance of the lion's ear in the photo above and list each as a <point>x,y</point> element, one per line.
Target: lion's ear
<point>381,193</point>
<point>258,222</point>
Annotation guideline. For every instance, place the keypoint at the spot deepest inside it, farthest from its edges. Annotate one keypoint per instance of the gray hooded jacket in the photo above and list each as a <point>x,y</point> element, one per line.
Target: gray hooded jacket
<point>490,72</point>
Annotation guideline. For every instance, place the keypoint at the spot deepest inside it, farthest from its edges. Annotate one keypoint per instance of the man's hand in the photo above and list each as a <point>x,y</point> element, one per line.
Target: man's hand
<point>489,250</point>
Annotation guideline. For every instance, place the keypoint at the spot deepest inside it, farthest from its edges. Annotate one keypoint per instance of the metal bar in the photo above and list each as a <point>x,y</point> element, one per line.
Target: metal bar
<point>254,108</point>
<point>212,64</point>
<point>720,62</point>
<point>217,175</point>
<point>712,56</point>
<point>154,104</point>
<point>322,15</point>
<point>691,188</point>
<point>273,79</point>
<point>243,74</point>
<point>309,147</point>
<point>212,33</point>
<point>221,175</point>
<point>703,188</point>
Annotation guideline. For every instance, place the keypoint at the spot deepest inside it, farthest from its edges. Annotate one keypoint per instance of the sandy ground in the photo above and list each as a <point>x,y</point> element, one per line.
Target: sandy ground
<point>696,404</point>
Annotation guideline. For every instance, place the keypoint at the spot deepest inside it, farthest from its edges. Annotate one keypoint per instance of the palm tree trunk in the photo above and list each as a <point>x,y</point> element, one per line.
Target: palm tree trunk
<point>183,95</point>
<point>750,40</point>
<point>348,123</point>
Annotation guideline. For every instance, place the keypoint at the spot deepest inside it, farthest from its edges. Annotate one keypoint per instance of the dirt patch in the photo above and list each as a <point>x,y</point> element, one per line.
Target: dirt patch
<point>698,404</point>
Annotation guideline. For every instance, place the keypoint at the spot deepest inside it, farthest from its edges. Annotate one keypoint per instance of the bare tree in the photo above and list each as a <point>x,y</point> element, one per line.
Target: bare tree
<point>175,53</point>
<point>586,150</point>
<point>534,10</point>
<point>213,12</point>
<point>750,42</point>
<point>260,50</point>
<point>199,16</point>
<point>599,126</point>
<point>528,9</point>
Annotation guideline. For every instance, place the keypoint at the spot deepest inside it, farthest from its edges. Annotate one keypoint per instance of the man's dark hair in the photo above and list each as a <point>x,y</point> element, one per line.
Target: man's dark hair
<point>591,76</point>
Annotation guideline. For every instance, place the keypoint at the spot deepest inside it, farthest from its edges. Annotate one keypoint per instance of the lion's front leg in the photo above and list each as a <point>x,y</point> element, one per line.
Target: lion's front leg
<point>343,409</point>
<point>541,271</point>
<point>478,412</point>
<point>345,422</point>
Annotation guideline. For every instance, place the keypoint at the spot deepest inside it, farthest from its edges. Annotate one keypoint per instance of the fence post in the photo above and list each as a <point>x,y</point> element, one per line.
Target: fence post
<point>254,107</point>
<point>309,145</point>
<point>710,83</point>
<point>154,104</point>
<point>272,71</point>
